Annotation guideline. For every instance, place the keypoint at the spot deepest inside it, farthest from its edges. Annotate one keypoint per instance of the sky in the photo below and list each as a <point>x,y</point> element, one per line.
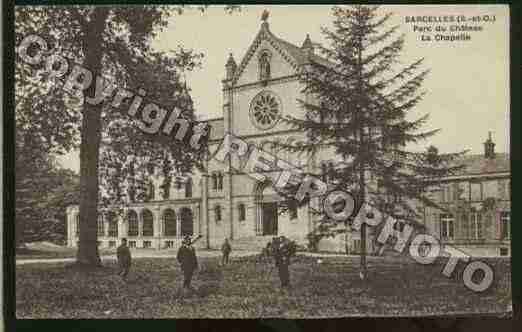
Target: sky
<point>467,88</point>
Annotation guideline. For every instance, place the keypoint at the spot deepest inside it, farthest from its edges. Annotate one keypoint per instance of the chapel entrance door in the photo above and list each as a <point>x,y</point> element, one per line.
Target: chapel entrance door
<point>269,218</point>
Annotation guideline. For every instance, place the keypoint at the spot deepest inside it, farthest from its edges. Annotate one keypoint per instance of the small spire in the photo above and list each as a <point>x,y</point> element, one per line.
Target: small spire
<point>230,67</point>
<point>231,61</point>
<point>308,46</point>
<point>307,42</point>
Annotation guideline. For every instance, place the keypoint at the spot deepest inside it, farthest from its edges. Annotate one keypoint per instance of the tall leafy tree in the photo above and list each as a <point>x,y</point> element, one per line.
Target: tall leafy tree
<point>43,190</point>
<point>359,111</point>
<point>111,41</point>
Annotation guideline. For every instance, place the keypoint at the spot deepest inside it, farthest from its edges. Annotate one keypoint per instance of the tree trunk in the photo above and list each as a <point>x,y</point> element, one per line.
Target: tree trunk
<point>19,231</point>
<point>90,143</point>
<point>346,246</point>
<point>362,181</point>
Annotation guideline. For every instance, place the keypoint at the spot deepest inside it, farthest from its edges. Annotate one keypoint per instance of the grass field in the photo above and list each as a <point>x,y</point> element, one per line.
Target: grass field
<point>246,289</point>
<point>43,254</point>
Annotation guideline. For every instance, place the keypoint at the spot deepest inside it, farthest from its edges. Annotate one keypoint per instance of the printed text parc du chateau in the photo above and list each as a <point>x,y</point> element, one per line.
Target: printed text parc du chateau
<point>447,27</point>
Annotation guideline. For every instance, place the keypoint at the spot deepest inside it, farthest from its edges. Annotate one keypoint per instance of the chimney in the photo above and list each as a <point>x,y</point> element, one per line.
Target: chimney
<point>230,67</point>
<point>489,148</point>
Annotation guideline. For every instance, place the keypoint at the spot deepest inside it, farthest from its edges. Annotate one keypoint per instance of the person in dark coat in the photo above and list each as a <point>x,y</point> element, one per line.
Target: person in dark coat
<point>284,250</point>
<point>124,259</point>
<point>225,250</point>
<point>188,261</point>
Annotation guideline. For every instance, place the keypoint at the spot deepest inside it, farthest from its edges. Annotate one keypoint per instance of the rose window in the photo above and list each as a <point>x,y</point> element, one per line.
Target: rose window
<point>265,110</point>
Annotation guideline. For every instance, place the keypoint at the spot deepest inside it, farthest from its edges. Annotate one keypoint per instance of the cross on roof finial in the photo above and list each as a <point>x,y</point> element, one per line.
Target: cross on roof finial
<point>264,16</point>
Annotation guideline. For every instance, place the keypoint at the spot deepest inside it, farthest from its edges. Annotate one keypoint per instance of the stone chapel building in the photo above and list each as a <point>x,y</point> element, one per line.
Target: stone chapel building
<point>219,204</point>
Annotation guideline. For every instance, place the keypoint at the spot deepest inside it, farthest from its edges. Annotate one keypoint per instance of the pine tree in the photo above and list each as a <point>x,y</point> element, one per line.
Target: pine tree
<point>358,110</point>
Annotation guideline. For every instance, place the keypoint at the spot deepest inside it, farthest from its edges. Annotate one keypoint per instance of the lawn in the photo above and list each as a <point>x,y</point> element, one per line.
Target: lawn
<point>247,289</point>
<point>24,253</point>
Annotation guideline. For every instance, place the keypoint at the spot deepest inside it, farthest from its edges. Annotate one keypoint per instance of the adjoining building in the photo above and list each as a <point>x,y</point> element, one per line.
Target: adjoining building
<point>221,204</point>
<point>478,205</point>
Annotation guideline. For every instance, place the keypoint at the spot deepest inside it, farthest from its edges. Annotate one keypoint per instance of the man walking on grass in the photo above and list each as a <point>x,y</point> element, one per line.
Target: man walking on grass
<point>225,250</point>
<point>124,259</point>
<point>188,261</point>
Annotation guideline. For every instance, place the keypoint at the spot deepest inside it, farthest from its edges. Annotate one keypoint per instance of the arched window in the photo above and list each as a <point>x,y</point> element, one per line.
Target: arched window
<point>505,217</point>
<point>113,224</point>
<point>100,225</point>
<point>292,209</point>
<point>132,222</point>
<point>169,222</point>
<point>241,212</point>
<point>148,223</point>
<point>217,212</point>
<point>476,225</point>
<point>220,181</point>
<point>165,189</point>
<point>178,183</point>
<point>188,188</point>
<point>264,66</point>
<point>187,223</point>
<point>324,172</point>
<point>77,224</point>
<point>152,191</point>
<point>330,172</point>
<point>214,181</point>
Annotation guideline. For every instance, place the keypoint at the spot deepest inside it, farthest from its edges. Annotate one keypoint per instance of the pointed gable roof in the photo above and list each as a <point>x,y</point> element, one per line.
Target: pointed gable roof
<point>294,55</point>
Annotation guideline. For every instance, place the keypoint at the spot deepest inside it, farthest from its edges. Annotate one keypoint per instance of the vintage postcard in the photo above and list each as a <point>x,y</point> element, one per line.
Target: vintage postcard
<point>275,161</point>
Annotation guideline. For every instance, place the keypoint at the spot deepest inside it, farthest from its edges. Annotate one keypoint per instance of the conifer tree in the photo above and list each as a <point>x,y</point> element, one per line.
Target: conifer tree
<point>359,109</point>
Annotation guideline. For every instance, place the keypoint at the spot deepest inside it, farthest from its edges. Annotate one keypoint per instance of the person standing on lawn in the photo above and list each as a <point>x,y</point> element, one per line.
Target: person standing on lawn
<point>225,250</point>
<point>124,259</point>
<point>188,261</point>
<point>284,251</point>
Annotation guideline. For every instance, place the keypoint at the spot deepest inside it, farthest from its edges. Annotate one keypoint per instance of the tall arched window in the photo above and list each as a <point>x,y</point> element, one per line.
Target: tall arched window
<point>187,222</point>
<point>148,222</point>
<point>217,212</point>
<point>169,222</point>
<point>165,193</point>
<point>77,224</point>
<point>264,66</point>
<point>220,181</point>
<point>241,211</point>
<point>477,225</point>
<point>152,191</point>
<point>100,225</point>
<point>132,222</point>
<point>214,181</point>
<point>292,210</point>
<point>188,188</point>
<point>113,224</point>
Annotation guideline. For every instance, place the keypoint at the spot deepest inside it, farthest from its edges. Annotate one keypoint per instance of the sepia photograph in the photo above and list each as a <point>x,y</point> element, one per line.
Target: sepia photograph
<point>262,161</point>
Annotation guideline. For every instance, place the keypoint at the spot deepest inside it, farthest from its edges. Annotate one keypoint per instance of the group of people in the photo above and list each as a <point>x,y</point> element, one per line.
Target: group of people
<point>280,248</point>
